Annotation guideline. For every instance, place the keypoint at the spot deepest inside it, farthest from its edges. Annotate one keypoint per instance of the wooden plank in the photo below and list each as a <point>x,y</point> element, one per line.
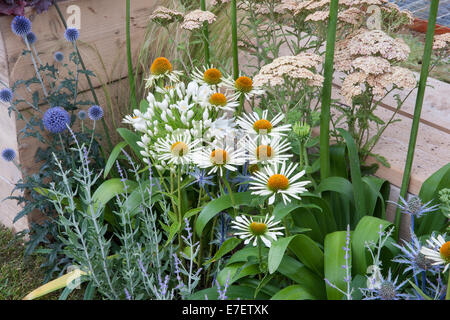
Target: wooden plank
<point>102,38</point>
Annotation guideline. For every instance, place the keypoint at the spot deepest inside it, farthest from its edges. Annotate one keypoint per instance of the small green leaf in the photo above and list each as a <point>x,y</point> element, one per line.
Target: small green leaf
<point>113,157</point>
<point>225,248</point>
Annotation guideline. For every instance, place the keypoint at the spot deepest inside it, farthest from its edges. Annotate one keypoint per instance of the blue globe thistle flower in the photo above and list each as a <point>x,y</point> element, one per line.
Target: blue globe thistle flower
<point>21,26</point>
<point>95,113</point>
<point>58,56</point>
<point>31,37</point>
<point>82,115</point>
<point>56,120</point>
<point>6,95</point>
<point>8,154</point>
<point>71,34</point>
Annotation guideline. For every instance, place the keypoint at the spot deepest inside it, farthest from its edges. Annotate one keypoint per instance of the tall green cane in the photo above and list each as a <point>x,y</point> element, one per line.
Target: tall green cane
<point>234,39</point>
<point>131,80</point>
<point>419,102</point>
<point>326,93</point>
<point>205,34</point>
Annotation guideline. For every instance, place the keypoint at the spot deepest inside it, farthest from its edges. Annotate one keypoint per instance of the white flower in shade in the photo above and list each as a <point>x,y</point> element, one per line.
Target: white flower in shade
<point>161,69</point>
<point>176,149</point>
<point>220,102</point>
<point>250,230</point>
<point>274,180</point>
<point>218,157</point>
<point>254,124</point>
<point>243,85</point>
<point>209,76</point>
<point>267,153</point>
<point>137,120</point>
<point>438,251</point>
<point>220,129</point>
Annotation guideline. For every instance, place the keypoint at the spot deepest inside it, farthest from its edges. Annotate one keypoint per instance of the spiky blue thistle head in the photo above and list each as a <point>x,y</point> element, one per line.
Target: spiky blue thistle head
<point>21,26</point>
<point>31,37</point>
<point>71,34</point>
<point>82,115</point>
<point>8,154</point>
<point>56,120</point>
<point>58,56</point>
<point>95,113</point>
<point>6,95</point>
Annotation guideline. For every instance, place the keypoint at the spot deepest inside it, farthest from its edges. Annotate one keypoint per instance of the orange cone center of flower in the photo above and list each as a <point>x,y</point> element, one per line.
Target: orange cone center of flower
<point>179,149</point>
<point>160,66</point>
<point>264,152</point>
<point>212,76</point>
<point>253,168</point>
<point>445,251</point>
<point>262,125</point>
<point>258,228</point>
<point>244,84</point>
<point>218,99</point>
<point>219,156</point>
<point>278,182</point>
<point>135,117</point>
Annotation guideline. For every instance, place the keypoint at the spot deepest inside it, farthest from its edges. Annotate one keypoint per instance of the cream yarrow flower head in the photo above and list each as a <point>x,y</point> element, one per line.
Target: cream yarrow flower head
<point>438,251</point>
<point>274,180</point>
<point>194,19</point>
<point>161,68</point>
<point>165,16</point>
<point>251,231</point>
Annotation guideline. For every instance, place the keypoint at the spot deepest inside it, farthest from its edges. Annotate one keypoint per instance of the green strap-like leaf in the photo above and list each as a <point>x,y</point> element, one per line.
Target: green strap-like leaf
<point>225,248</point>
<point>113,157</point>
<point>334,260</point>
<point>131,138</point>
<point>294,292</point>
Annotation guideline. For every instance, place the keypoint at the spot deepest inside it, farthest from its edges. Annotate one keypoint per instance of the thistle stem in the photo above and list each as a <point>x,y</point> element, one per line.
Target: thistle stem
<point>38,75</point>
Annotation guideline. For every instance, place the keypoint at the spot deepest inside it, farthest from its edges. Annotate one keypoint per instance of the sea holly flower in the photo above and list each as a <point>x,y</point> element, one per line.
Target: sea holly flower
<point>244,85</point>
<point>56,120</point>
<point>438,251</point>
<point>275,180</point>
<point>161,68</point>
<point>387,289</point>
<point>218,157</point>
<point>271,152</point>
<point>253,124</point>
<point>250,230</point>
<point>176,149</point>
<point>414,206</point>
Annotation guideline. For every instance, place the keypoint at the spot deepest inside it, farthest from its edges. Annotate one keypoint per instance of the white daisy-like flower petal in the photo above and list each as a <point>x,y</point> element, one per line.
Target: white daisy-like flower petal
<point>438,252</point>
<point>176,149</point>
<point>273,151</point>
<point>217,157</point>
<point>254,124</point>
<point>251,231</point>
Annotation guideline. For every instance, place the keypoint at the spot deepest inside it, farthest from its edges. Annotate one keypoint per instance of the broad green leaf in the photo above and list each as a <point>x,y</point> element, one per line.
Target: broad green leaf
<point>233,293</point>
<point>218,205</point>
<point>237,271</point>
<point>277,251</point>
<point>308,252</point>
<point>131,138</point>
<point>293,292</point>
<point>191,213</point>
<point>113,157</point>
<point>334,260</point>
<point>339,185</point>
<point>225,248</point>
<point>366,230</point>
<point>110,188</point>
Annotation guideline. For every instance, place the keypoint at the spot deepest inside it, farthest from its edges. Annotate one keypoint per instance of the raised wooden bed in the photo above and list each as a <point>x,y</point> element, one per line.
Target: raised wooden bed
<point>102,34</point>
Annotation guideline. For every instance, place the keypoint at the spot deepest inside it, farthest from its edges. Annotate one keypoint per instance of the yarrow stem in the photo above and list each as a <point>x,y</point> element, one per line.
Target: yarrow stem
<point>234,39</point>
<point>205,34</point>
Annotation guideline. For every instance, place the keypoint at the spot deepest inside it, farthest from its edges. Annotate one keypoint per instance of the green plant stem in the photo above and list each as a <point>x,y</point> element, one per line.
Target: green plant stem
<point>38,75</point>
<point>91,87</point>
<point>447,296</point>
<point>260,256</point>
<point>225,180</point>
<point>234,39</point>
<point>131,79</point>
<point>326,93</point>
<point>418,108</point>
<point>180,212</point>
<point>205,34</point>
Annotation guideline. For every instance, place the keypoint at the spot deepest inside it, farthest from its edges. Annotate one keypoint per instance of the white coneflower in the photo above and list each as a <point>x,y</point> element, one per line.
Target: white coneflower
<point>438,251</point>
<point>176,149</point>
<point>271,152</point>
<point>161,68</point>
<point>137,120</point>
<point>275,180</point>
<point>244,85</point>
<point>250,230</point>
<point>220,101</point>
<point>209,76</point>
<point>218,157</point>
<point>260,125</point>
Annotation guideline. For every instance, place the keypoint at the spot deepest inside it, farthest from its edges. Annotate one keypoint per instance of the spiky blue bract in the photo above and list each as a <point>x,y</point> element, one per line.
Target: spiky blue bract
<point>56,120</point>
<point>95,113</point>
<point>31,37</point>
<point>71,34</point>
<point>8,154</point>
<point>58,56</point>
<point>6,95</point>
<point>21,26</point>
